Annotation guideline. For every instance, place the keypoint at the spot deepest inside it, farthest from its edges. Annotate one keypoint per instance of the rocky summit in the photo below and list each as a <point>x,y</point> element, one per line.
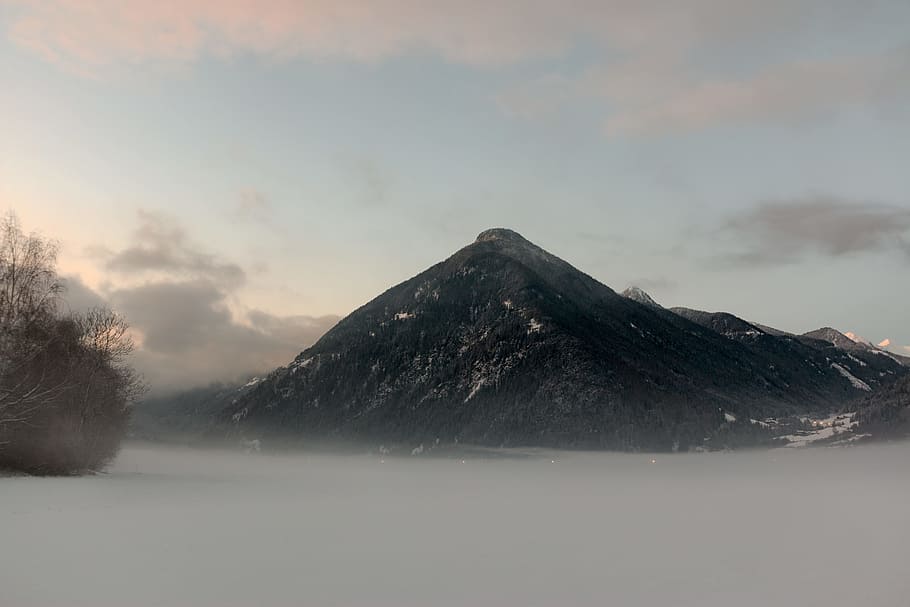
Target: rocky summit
<point>506,344</point>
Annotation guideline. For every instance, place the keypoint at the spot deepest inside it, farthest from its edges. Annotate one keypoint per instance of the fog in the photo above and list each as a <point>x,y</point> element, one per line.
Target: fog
<point>170,526</point>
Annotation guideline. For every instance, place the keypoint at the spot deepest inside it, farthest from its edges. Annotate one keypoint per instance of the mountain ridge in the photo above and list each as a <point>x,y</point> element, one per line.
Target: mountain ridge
<point>504,343</point>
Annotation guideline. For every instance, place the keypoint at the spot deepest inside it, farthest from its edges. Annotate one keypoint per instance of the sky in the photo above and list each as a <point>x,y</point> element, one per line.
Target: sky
<point>235,175</point>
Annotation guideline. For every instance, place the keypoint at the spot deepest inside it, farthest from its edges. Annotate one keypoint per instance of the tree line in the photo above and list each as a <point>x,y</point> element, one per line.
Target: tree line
<point>66,387</point>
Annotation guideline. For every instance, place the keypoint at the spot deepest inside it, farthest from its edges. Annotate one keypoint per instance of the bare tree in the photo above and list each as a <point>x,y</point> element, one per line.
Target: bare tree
<point>29,287</point>
<point>65,384</point>
<point>29,295</point>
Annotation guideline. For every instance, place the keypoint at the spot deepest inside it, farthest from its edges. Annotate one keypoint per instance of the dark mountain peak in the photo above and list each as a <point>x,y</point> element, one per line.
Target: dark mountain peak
<point>838,339</point>
<point>771,330</point>
<point>827,331</point>
<point>502,234</point>
<point>525,256</point>
<point>512,244</point>
<point>721,322</point>
<point>637,294</point>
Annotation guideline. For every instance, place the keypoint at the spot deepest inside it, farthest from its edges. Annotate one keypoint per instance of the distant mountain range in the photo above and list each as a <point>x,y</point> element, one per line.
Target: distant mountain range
<point>505,344</point>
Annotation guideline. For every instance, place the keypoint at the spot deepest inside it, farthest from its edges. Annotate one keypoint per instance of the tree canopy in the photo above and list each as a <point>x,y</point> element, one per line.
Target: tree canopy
<point>66,387</point>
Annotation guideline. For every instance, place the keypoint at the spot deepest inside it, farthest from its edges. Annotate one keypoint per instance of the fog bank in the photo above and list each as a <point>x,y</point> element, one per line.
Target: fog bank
<point>188,527</point>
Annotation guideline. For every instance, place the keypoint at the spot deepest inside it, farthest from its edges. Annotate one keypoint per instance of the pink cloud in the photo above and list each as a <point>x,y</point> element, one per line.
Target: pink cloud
<point>644,66</point>
<point>105,32</point>
<point>884,343</point>
<point>475,32</point>
<point>659,89</point>
<point>787,93</point>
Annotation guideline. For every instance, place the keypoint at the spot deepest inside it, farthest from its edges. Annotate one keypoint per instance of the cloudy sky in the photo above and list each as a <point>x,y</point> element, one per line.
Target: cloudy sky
<point>233,175</point>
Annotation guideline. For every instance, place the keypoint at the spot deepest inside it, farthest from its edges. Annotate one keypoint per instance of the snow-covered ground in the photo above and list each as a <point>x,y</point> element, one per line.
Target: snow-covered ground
<point>179,527</point>
<point>823,429</point>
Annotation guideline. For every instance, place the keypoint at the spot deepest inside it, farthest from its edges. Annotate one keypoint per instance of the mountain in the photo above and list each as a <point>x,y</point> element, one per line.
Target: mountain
<point>639,295</point>
<point>504,343</point>
<point>773,331</point>
<point>814,366</point>
<point>827,337</point>
<point>838,339</point>
<point>885,414</point>
<point>721,322</point>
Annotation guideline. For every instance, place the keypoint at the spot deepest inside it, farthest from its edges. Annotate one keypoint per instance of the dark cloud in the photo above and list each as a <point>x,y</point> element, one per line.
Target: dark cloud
<point>291,330</point>
<point>174,316</point>
<point>161,246</point>
<point>189,336</point>
<point>182,305</point>
<point>786,231</point>
<point>78,297</point>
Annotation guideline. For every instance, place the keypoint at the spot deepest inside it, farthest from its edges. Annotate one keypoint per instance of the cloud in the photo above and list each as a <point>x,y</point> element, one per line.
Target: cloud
<point>78,297</point>
<point>472,32</point>
<point>182,305</point>
<point>162,247</point>
<point>785,231</point>
<point>189,336</point>
<point>656,95</point>
<point>784,94</point>
<point>173,316</point>
<point>884,343</point>
<point>110,31</point>
<point>652,66</point>
<point>291,330</point>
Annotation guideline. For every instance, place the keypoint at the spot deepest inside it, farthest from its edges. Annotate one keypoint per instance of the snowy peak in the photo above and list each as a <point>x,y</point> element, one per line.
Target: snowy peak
<point>862,341</point>
<point>637,294</point>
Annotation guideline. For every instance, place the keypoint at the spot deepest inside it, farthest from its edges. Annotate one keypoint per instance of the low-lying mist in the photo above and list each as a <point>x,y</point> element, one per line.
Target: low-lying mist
<point>173,526</point>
